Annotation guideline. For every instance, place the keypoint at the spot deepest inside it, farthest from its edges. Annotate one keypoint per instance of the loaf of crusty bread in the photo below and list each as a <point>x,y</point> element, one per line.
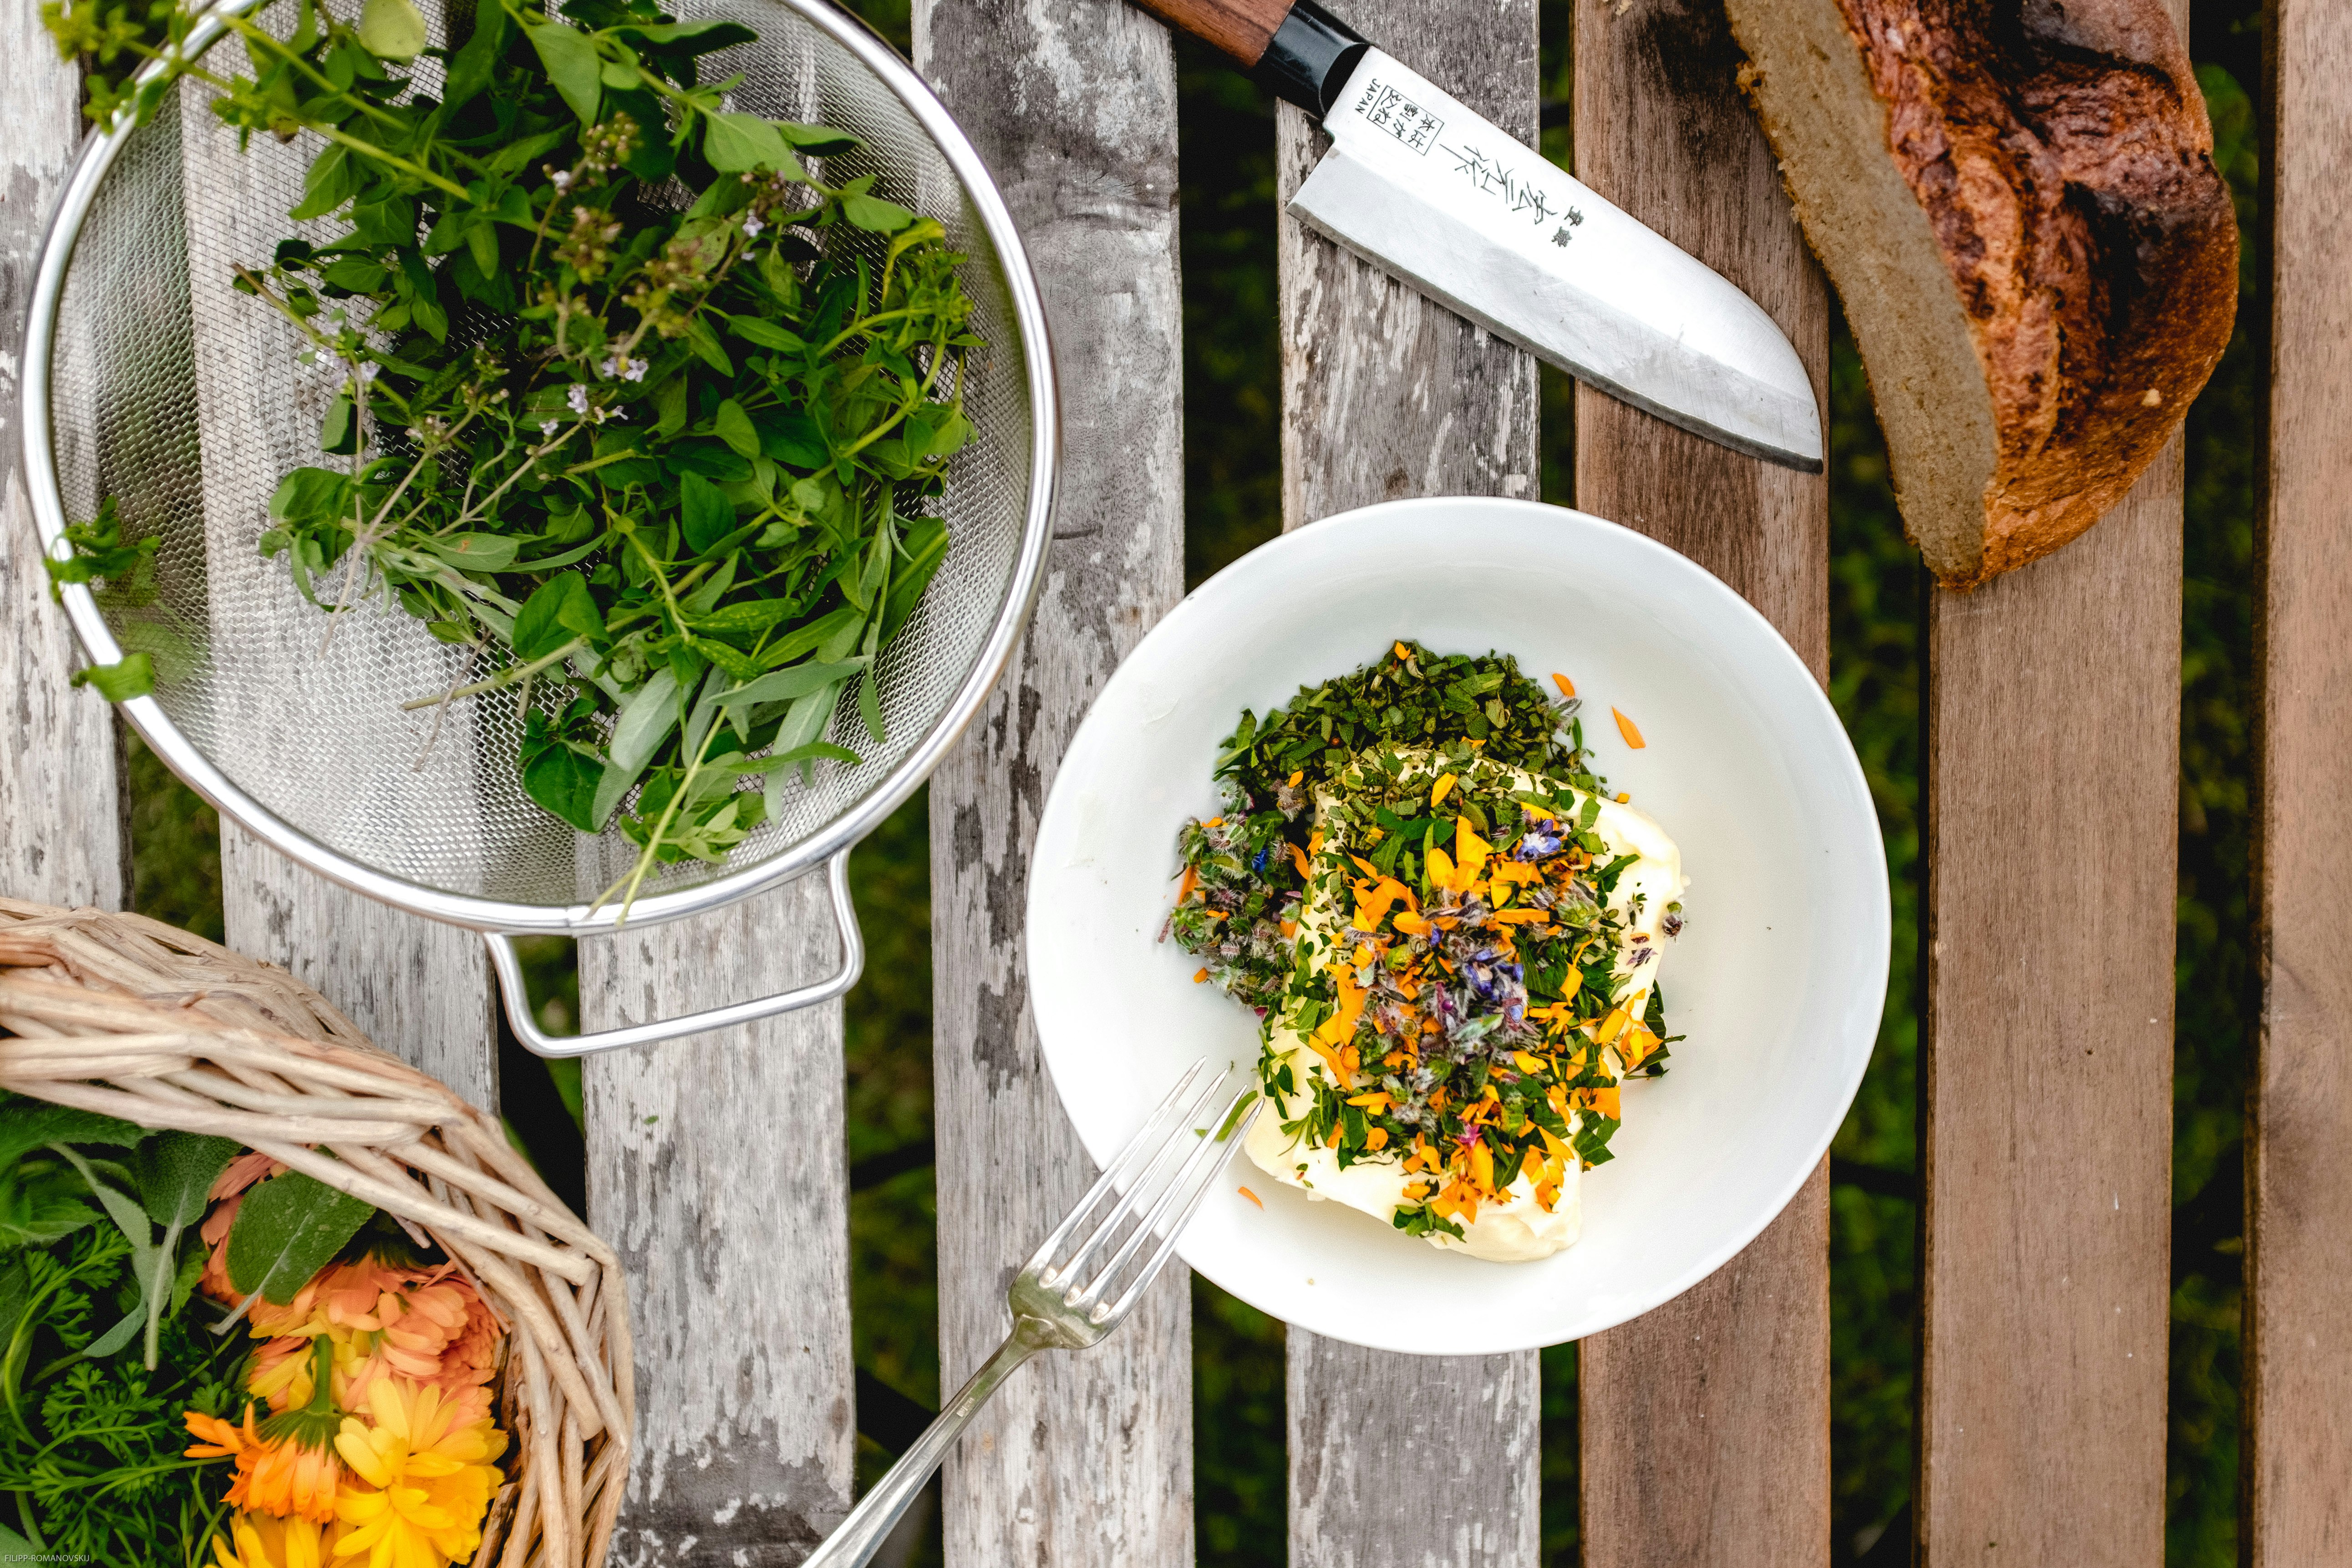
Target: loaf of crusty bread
<point>2017,201</point>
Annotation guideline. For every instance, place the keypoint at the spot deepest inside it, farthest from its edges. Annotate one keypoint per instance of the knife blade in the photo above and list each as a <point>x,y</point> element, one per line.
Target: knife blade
<point>1422,187</point>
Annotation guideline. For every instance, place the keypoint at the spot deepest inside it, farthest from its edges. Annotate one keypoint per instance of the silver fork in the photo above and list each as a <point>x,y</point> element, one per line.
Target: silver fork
<point>1054,1306</point>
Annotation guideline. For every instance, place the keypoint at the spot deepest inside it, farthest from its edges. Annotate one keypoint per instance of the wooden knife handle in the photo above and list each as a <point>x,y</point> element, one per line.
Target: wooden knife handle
<point>1242,28</point>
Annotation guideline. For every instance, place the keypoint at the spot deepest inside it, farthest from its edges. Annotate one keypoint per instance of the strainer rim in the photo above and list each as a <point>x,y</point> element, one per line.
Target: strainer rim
<point>475,912</point>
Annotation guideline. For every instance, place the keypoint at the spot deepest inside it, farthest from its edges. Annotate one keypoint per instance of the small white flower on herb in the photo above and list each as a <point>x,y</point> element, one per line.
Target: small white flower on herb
<point>635,370</point>
<point>367,372</point>
<point>547,427</point>
<point>560,178</point>
<point>578,398</point>
<point>752,225</point>
<point>608,367</point>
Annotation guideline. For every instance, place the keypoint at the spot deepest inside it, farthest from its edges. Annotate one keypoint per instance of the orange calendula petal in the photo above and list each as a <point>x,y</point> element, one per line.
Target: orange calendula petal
<point>1625,728</point>
<point>1251,1196</point>
<point>1520,917</point>
<point>1443,787</point>
<point>1402,651</point>
<point>1525,1063</point>
<point>1200,974</point>
<point>1298,858</point>
<point>1567,687</point>
<point>1375,1138</point>
<point>1295,776</point>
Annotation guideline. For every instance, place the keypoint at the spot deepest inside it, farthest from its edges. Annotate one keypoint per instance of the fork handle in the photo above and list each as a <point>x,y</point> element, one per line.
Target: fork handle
<point>878,1512</point>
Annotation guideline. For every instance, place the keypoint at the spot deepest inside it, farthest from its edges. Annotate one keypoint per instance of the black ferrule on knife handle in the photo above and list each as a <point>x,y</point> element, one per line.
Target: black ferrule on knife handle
<point>1311,56</point>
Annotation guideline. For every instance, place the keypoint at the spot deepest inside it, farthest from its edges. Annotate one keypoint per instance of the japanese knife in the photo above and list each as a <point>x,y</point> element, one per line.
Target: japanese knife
<point>1419,185</point>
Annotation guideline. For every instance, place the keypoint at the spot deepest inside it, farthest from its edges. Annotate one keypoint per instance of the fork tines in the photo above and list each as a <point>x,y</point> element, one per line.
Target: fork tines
<point>1160,1176</point>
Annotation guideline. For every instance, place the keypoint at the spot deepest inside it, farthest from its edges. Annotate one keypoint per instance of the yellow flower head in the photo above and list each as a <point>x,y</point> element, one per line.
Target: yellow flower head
<point>258,1541</point>
<point>421,1478</point>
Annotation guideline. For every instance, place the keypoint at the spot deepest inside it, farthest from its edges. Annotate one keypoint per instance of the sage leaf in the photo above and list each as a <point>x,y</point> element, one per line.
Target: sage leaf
<point>287,1229</point>
<point>40,1205</point>
<point>175,1173</point>
<point>28,1124</point>
<point>115,1338</point>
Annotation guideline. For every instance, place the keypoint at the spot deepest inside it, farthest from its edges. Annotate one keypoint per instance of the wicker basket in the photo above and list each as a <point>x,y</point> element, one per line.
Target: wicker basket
<point>126,1015</point>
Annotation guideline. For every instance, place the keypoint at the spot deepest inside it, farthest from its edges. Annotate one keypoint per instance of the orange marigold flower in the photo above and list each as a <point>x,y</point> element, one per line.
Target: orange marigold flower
<point>274,1476</point>
<point>429,1326</point>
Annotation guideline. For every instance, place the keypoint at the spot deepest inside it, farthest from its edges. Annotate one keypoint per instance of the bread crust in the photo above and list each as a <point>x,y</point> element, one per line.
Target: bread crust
<point>2062,158</point>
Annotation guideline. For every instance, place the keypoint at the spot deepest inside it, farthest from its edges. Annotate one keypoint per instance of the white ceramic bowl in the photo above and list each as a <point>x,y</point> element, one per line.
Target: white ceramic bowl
<point>1778,981</point>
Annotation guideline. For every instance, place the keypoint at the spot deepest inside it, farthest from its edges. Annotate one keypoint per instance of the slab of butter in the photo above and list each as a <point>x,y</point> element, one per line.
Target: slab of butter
<point>1519,1230</point>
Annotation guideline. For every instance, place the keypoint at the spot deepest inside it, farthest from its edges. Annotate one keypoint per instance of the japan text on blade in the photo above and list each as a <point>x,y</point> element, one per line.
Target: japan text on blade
<point>1423,187</point>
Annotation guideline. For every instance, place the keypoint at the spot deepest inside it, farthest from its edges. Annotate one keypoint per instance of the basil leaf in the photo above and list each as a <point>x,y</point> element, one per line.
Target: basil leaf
<point>740,143</point>
<point>391,29</point>
<point>705,514</point>
<point>571,65</point>
<point>561,611</point>
<point>733,426</point>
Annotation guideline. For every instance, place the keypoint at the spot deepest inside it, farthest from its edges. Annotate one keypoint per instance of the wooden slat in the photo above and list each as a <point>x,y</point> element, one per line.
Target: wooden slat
<point>717,1168</point>
<point>1398,1459</point>
<point>2052,795</point>
<point>2052,846</point>
<point>420,989</point>
<point>1705,1425</point>
<point>1082,1459</point>
<point>2298,1361</point>
<point>61,839</point>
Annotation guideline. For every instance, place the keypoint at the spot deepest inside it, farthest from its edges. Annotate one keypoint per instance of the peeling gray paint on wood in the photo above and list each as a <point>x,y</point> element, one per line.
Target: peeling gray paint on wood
<point>1705,1425</point>
<point>61,837</point>
<point>1400,1461</point>
<point>419,989</point>
<point>716,1167</point>
<point>1085,1457</point>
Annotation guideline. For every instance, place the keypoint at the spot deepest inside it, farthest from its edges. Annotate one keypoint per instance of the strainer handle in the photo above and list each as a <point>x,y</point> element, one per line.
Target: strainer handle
<point>526,1029</point>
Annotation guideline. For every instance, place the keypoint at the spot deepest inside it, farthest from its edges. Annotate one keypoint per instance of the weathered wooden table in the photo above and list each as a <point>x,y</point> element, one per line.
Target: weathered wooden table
<point>2051,835</point>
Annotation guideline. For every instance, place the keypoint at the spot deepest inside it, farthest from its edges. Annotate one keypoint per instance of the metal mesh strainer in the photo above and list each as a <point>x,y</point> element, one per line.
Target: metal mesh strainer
<point>149,380</point>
